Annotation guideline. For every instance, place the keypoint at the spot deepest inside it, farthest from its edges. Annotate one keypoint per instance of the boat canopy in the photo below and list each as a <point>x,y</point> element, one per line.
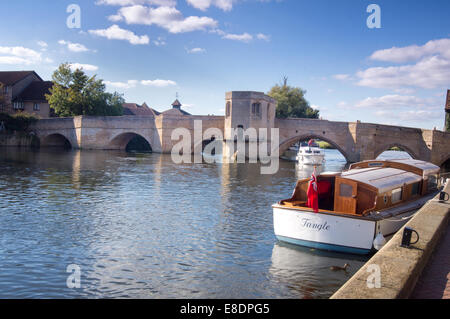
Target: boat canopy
<point>426,167</point>
<point>411,165</point>
<point>384,179</point>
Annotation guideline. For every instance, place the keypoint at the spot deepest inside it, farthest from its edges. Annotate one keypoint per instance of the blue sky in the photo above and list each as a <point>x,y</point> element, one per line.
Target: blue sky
<point>150,49</point>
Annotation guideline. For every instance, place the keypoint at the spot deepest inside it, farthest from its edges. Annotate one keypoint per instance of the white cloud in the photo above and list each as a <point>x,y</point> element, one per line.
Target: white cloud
<point>159,42</point>
<point>244,37</point>
<point>19,55</point>
<point>225,5</point>
<point>115,18</point>
<point>428,73</point>
<point>133,83</point>
<point>43,45</point>
<point>85,67</point>
<point>342,77</point>
<point>412,115</point>
<point>158,83</point>
<point>261,36</point>
<point>13,60</point>
<point>123,3</point>
<point>393,101</point>
<point>74,47</point>
<point>430,68</point>
<point>165,17</point>
<point>114,32</point>
<point>413,52</point>
<point>122,85</point>
<point>404,91</point>
<point>195,50</point>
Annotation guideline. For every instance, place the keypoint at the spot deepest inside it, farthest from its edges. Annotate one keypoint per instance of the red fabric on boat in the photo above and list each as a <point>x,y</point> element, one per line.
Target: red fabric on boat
<point>313,194</point>
<point>324,187</point>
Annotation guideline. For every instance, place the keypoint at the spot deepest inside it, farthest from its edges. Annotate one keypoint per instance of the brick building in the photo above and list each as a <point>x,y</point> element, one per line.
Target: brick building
<point>24,91</point>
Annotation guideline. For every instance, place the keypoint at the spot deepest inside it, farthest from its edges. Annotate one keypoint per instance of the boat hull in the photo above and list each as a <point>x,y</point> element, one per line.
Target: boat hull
<point>310,159</point>
<point>324,231</point>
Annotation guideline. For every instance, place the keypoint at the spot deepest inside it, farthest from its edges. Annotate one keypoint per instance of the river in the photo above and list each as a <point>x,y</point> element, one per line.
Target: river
<point>140,226</point>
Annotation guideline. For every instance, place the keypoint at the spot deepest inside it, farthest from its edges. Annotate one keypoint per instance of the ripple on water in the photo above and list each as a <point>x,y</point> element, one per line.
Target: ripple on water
<point>141,226</point>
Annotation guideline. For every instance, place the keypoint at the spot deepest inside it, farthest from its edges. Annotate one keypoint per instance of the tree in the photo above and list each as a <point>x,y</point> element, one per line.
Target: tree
<point>74,93</point>
<point>292,102</point>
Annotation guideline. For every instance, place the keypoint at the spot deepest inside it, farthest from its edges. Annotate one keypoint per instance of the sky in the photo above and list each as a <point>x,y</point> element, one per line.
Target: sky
<point>151,50</point>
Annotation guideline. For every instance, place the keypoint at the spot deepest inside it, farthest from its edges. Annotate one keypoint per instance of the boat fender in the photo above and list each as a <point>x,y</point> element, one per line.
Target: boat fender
<point>379,241</point>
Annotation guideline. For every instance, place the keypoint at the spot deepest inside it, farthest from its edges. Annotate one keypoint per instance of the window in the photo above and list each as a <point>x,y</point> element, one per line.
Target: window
<point>256,108</point>
<point>396,195</point>
<point>5,89</point>
<point>415,189</point>
<point>36,107</point>
<point>432,182</point>
<point>228,109</point>
<point>375,164</point>
<point>345,190</point>
<point>18,105</point>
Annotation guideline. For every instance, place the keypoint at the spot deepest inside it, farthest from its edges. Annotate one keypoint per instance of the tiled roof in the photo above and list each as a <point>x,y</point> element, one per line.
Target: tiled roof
<point>35,91</point>
<point>176,111</point>
<point>176,103</point>
<point>12,77</point>
<point>136,109</point>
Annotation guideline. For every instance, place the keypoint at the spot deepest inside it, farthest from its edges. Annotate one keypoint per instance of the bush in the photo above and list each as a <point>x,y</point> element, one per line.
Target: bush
<point>17,122</point>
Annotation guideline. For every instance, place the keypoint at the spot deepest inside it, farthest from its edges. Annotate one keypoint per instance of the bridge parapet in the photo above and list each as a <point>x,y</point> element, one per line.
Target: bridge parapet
<point>355,140</point>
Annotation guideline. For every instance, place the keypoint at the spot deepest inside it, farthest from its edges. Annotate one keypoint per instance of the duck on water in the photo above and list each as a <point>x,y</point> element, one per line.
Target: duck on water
<point>356,210</point>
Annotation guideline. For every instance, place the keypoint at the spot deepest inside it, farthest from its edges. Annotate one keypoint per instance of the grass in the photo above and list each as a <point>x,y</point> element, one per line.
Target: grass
<point>325,145</point>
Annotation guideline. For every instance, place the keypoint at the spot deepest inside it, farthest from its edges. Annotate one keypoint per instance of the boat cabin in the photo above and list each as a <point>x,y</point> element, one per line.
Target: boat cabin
<point>369,186</point>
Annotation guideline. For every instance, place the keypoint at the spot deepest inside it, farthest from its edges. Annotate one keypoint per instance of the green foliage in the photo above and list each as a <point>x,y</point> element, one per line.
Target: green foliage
<point>325,145</point>
<point>18,121</point>
<point>74,93</point>
<point>292,102</point>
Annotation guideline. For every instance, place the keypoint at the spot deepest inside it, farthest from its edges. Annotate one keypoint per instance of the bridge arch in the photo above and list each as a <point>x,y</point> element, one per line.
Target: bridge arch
<point>404,148</point>
<point>122,141</point>
<point>445,161</point>
<point>287,143</point>
<point>55,140</point>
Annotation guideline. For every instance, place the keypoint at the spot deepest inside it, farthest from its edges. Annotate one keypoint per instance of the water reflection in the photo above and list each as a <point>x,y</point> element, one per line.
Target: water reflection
<point>141,226</point>
<point>334,162</point>
<point>306,272</point>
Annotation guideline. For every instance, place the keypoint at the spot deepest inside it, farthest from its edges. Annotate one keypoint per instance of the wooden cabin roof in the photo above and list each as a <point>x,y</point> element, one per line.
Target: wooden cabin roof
<point>382,178</point>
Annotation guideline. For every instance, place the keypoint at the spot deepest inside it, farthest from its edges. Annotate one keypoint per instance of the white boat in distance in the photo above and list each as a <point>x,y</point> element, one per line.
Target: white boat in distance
<point>357,209</point>
<point>310,154</point>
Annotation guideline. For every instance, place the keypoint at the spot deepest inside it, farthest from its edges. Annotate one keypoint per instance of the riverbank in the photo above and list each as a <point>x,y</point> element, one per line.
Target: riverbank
<point>400,268</point>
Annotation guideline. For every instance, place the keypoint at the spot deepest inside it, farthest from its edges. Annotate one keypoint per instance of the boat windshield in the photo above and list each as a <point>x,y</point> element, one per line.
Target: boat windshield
<point>305,144</point>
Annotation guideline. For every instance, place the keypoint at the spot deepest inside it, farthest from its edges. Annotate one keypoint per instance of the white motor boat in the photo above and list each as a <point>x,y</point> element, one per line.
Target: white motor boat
<point>291,153</point>
<point>357,210</point>
<point>310,154</point>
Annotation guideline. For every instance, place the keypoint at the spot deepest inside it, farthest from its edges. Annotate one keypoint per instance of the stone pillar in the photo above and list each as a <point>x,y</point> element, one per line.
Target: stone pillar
<point>249,112</point>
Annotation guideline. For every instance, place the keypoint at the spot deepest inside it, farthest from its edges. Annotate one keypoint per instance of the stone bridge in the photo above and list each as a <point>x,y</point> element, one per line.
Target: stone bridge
<point>363,141</point>
<point>356,141</point>
<point>115,132</point>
